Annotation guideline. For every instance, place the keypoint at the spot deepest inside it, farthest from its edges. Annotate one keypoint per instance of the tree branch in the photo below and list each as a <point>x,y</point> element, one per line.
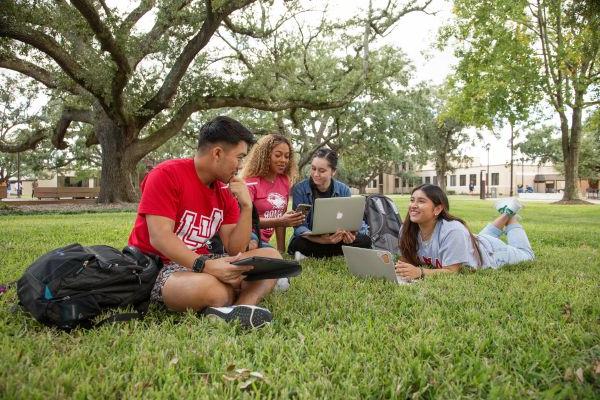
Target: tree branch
<point>49,46</point>
<point>136,15</point>
<point>172,127</point>
<point>41,75</point>
<point>161,99</point>
<point>148,42</point>
<point>28,144</point>
<point>68,115</point>
<point>108,43</point>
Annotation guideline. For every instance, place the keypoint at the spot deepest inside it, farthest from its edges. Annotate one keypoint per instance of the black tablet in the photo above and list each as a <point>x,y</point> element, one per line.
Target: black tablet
<point>269,268</point>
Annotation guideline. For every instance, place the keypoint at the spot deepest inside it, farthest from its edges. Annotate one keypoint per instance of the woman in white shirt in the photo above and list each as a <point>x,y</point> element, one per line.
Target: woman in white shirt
<point>434,241</point>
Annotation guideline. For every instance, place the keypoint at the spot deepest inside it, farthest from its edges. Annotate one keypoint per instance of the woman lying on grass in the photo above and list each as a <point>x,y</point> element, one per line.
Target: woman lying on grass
<point>433,241</point>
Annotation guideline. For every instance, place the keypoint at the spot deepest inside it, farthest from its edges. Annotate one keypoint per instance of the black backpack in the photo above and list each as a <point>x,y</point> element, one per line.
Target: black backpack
<point>381,214</point>
<point>68,287</point>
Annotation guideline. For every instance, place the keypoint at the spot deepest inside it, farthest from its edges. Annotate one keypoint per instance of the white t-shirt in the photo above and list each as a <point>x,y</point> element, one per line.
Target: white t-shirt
<point>451,244</point>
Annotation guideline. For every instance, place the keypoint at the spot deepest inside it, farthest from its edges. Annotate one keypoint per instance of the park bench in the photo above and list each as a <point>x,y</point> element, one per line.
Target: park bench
<point>592,193</point>
<point>72,192</point>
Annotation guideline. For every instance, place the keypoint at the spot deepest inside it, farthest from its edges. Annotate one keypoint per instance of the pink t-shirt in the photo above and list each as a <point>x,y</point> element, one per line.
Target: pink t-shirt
<point>269,198</point>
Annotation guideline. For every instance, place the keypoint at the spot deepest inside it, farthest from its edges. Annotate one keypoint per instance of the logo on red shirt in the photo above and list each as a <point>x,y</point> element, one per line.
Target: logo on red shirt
<point>429,261</point>
<point>195,230</point>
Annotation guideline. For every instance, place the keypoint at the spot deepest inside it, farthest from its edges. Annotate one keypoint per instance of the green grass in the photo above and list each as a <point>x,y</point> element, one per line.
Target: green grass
<point>531,330</point>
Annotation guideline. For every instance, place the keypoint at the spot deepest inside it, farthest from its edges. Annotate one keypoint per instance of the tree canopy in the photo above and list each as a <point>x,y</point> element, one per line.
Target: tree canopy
<point>134,74</point>
<point>511,50</point>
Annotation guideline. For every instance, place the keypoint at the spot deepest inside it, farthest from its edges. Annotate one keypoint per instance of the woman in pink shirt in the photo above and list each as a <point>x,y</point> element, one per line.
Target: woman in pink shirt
<point>269,172</point>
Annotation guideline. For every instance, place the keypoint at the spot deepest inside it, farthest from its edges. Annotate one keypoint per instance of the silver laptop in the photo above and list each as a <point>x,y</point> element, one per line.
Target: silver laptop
<point>335,213</point>
<point>369,263</point>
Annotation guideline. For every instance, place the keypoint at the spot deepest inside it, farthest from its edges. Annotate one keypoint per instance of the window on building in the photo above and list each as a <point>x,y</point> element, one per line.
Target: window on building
<point>463,180</point>
<point>435,180</point>
<point>397,182</point>
<point>495,178</point>
<point>473,179</point>
<point>452,180</point>
<point>427,179</point>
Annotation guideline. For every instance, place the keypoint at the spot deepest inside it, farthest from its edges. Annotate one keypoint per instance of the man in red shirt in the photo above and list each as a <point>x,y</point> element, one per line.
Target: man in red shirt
<point>184,203</point>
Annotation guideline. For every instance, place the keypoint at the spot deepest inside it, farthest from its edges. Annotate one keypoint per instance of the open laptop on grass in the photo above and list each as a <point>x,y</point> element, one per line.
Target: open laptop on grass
<point>369,263</point>
<point>335,213</point>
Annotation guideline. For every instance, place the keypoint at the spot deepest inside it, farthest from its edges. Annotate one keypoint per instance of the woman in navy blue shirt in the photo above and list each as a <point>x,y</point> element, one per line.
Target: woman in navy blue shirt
<point>321,184</point>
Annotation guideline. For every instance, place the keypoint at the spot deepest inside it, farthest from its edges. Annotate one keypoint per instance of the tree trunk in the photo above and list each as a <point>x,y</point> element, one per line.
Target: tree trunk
<point>118,167</point>
<point>571,155</point>
<point>362,189</point>
<point>512,157</point>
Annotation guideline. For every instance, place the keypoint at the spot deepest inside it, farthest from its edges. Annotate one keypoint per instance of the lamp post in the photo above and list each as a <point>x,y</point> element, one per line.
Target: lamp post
<point>487,175</point>
<point>522,159</point>
<point>482,184</point>
<point>19,190</point>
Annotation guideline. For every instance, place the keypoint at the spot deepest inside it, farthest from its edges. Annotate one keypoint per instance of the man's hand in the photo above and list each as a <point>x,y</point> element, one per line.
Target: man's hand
<point>239,189</point>
<point>407,271</point>
<point>291,218</point>
<point>223,270</point>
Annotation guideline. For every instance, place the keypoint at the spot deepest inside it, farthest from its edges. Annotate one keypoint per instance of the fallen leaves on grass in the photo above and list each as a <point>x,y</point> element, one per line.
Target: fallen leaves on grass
<point>243,376</point>
<point>568,312</point>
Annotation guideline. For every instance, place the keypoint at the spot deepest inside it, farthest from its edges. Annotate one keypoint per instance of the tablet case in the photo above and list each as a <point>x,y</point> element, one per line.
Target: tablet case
<point>269,268</point>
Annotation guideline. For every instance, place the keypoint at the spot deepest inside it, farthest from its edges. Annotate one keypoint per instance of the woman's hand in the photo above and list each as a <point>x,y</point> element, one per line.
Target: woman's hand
<point>407,271</point>
<point>291,218</point>
<point>333,238</point>
<point>348,237</point>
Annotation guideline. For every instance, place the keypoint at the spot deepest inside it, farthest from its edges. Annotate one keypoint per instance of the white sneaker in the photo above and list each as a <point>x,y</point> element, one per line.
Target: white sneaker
<point>299,256</point>
<point>282,285</point>
<point>509,206</point>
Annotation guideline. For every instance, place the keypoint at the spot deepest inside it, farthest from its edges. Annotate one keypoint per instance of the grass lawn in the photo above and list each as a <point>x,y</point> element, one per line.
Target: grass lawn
<point>530,330</point>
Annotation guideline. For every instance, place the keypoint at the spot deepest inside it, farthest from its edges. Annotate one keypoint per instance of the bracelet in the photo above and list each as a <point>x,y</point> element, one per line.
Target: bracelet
<point>422,273</point>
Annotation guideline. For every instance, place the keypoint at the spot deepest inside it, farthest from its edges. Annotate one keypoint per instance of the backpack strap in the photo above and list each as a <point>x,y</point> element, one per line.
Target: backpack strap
<point>120,317</point>
<point>141,310</point>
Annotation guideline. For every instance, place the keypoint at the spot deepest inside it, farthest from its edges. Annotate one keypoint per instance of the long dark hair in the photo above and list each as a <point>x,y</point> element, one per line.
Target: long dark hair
<point>410,230</point>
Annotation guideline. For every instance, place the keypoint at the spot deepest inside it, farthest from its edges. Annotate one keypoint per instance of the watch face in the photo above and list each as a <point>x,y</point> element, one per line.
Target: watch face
<point>198,264</point>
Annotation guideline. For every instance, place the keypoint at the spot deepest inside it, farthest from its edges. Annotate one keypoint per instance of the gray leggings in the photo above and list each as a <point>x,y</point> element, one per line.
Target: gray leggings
<point>517,250</point>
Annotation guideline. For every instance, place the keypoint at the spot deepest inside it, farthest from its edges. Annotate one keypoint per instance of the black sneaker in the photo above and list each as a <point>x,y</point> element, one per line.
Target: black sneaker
<point>249,316</point>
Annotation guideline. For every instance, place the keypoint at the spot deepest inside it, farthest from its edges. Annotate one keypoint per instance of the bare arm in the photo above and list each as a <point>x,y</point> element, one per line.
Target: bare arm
<point>409,271</point>
<point>280,238</point>
<point>163,239</point>
<point>236,237</point>
<point>290,218</point>
<point>167,243</point>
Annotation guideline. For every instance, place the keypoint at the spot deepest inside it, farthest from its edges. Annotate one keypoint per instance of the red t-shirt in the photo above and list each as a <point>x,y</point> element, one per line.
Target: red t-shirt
<point>173,190</point>
<point>269,198</point>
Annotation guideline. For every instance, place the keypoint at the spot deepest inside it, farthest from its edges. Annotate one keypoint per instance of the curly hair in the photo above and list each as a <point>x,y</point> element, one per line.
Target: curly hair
<point>259,159</point>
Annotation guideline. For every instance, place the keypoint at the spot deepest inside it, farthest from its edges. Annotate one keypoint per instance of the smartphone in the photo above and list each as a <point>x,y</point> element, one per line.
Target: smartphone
<point>303,208</point>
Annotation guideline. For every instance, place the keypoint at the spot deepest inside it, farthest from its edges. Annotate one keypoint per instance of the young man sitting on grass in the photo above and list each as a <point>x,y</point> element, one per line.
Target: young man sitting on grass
<point>184,203</point>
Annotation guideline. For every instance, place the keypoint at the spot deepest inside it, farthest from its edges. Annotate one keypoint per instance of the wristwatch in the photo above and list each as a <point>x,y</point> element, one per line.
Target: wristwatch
<point>199,264</point>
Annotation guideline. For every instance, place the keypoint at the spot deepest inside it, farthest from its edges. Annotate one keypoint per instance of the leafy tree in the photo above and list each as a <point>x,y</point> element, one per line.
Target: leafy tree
<point>137,88</point>
<point>544,146</point>
<point>444,134</point>
<point>18,117</point>
<point>505,40</point>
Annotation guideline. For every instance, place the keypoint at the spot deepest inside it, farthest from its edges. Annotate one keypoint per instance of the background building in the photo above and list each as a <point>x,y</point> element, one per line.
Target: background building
<point>536,178</point>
